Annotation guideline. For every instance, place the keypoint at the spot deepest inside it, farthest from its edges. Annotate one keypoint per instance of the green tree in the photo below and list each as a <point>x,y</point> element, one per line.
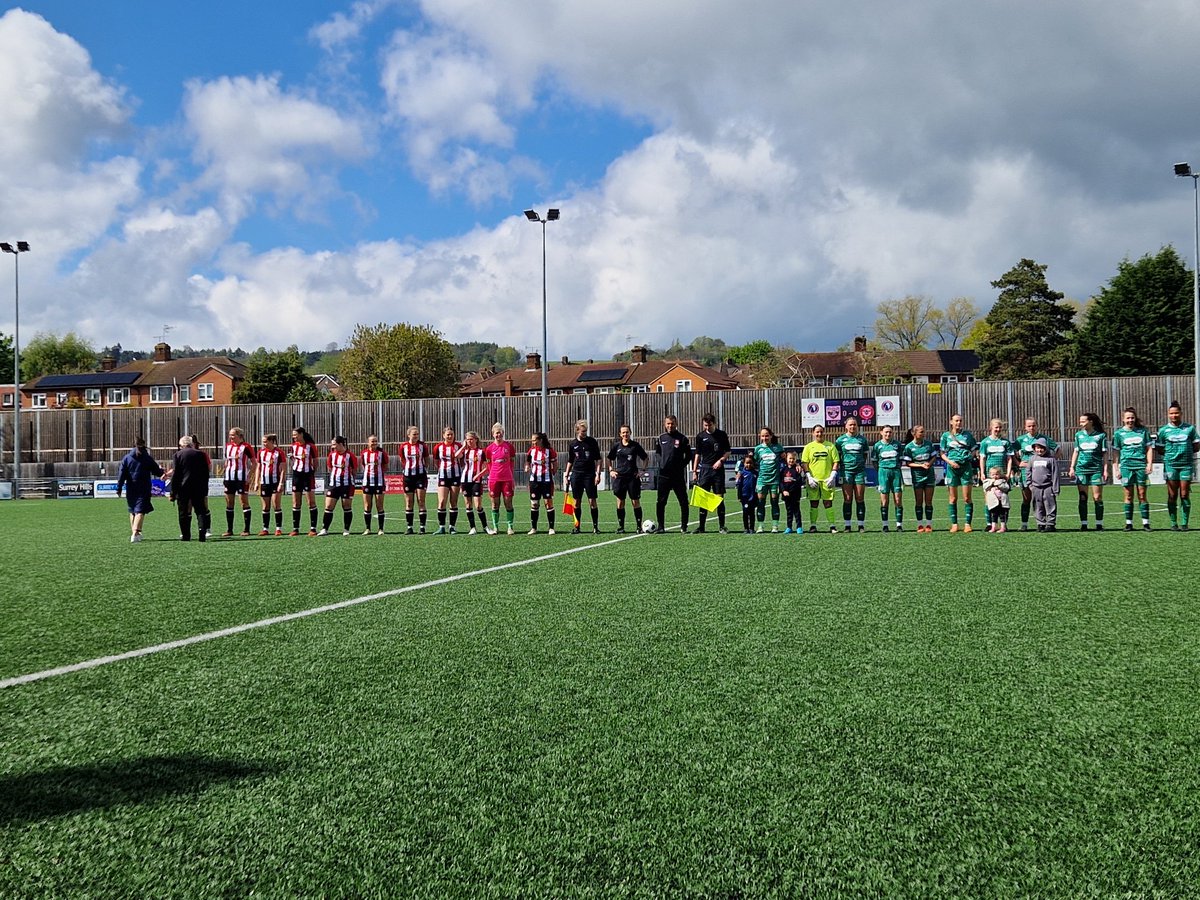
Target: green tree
<point>1141,322</point>
<point>398,362</point>
<point>751,353</point>
<point>6,359</point>
<point>48,354</point>
<point>272,377</point>
<point>1028,328</point>
<point>954,323</point>
<point>905,324</point>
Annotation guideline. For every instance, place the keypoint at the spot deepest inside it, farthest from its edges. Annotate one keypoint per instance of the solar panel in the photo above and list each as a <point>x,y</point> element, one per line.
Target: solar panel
<point>89,379</point>
<point>602,375</point>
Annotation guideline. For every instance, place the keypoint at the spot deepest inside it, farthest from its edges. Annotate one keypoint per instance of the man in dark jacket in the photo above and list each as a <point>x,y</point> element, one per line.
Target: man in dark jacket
<point>674,455</point>
<point>189,488</point>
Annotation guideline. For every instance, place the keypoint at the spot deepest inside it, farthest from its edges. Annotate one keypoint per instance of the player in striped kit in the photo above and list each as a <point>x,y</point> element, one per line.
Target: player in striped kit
<point>414,463</point>
<point>237,473</point>
<point>340,485</point>
<point>449,471</point>
<point>374,463</point>
<point>272,466</point>
<point>541,462</point>
<point>302,460</point>
<point>472,468</point>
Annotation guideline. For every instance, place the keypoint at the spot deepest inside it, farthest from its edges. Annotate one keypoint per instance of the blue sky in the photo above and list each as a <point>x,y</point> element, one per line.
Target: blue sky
<point>273,173</point>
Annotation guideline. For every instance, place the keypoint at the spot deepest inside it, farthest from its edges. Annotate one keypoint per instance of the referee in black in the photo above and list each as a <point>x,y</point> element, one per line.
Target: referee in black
<point>708,471</point>
<point>674,455</point>
<point>190,472</point>
<point>583,473</point>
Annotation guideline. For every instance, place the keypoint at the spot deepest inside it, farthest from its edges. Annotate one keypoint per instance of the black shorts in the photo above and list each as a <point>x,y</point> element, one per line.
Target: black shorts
<point>374,490</point>
<point>541,490</point>
<point>472,488</point>
<point>302,482</point>
<point>269,488</point>
<point>584,484</point>
<point>235,486</point>
<point>340,492</point>
<point>712,480</point>
<point>630,485</point>
<point>449,481</point>
<point>414,483</point>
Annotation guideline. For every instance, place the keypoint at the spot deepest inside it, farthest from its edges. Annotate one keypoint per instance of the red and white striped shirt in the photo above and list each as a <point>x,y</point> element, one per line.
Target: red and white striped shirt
<point>541,463</point>
<point>239,457</point>
<point>374,467</point>
<point>341,468</point>
<point>303,457</point>
<point>270,465</point>
<point>412,457</point>
<point>446,457</point>
<point>472,463</point>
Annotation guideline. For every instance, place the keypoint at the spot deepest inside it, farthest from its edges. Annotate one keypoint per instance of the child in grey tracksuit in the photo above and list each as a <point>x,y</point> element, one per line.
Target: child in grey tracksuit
<point>1043,482</point>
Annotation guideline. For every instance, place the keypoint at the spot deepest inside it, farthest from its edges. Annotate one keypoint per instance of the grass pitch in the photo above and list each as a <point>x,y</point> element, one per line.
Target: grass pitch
<point>769,716</point>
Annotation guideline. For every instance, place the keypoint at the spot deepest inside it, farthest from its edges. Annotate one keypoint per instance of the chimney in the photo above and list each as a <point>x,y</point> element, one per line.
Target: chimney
<point>533,361</point>
<point>162,352</point>
<point>107,363</point>
<point>860,344</point>
<point>508,386</point>
<point>566,360</point>
<point>639,355</point>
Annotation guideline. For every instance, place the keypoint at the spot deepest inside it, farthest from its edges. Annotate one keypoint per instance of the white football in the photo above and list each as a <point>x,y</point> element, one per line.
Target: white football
<point>649,526</point>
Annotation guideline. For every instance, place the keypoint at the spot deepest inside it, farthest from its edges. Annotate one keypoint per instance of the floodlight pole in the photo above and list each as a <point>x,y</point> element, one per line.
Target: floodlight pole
<point>1184,170</point>
<point>532,216</point>
<point>16,249</point>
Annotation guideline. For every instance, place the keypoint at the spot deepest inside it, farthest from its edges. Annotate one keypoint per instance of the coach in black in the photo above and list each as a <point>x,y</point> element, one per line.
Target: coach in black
<point>190,472</point>
<point>583,473</point>
<point>712,449</point>
<point>674,455</point>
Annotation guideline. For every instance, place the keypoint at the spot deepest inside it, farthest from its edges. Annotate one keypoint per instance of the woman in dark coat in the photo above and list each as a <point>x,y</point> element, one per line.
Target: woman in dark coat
<point>138,468</point>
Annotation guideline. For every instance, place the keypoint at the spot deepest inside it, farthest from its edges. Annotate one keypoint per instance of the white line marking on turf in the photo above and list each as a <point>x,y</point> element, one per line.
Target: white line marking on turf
<point>290,617</point>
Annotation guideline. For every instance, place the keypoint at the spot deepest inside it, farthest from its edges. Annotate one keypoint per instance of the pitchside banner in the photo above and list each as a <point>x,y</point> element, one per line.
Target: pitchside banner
<point>870,411</point>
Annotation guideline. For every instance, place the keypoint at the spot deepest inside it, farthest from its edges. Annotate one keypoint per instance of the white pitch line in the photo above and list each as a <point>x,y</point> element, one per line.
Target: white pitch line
<point>290,617</point>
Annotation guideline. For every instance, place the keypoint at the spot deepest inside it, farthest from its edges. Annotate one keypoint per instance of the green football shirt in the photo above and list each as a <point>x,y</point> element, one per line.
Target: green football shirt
<point>959,447</point>
<point>994,452</point>
<point>1176,442</point>
<point>853,450</point>
<point>1131,445</point>
<point>1092,448</point>
<point>887,454</point>
<point>1025,441</point>
<point>768,457</point>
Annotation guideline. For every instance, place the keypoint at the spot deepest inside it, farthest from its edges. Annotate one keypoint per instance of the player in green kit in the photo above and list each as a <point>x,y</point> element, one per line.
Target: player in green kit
<point>995,452</point>
<point>820,459</point>
<point>1089,466</point>
<point>887,454</point>
<point>1179,443</point>
<point>853,451</point>
<point>1134,452</point>
<point>919,456</point>
<point>1024,447</point>
<point>769,455</point>
<point>959,449</point>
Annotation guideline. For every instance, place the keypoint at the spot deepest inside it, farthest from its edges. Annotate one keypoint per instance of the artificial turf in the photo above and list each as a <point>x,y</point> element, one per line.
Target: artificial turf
<point>713,715</point>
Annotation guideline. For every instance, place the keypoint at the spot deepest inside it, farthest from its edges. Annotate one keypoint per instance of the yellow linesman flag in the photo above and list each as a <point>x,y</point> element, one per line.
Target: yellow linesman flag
<point>568,506</point>
<point>705,499</point>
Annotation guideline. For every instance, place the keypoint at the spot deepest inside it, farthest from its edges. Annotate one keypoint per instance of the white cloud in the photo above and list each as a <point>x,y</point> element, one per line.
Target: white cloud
<point>255,138</point>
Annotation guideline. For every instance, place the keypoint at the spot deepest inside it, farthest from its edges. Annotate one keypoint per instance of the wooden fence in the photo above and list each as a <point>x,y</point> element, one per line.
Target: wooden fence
<point>76,441</point>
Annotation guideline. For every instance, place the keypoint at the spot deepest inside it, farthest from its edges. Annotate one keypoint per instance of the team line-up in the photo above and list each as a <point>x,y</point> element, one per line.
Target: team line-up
<point>767,476</point>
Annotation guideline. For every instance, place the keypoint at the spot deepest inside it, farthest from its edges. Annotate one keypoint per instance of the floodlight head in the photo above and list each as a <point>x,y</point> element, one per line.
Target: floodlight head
<point>7,248</point>
<point>551,215</point>
<point>532,216</point>
<point>1183,170</point>
<point>22,246</point>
